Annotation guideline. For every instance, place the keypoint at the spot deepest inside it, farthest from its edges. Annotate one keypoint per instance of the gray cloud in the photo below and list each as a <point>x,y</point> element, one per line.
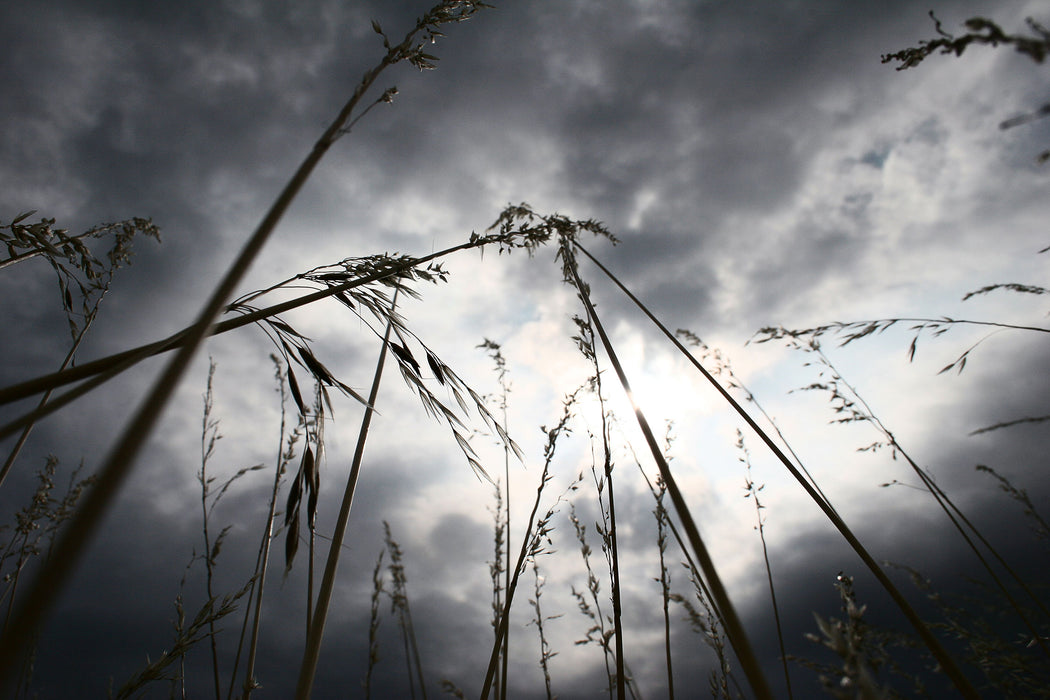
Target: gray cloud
<point>760,165</point>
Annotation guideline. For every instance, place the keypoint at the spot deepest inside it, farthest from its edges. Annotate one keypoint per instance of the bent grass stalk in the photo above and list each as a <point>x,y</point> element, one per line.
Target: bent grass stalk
<point>951,668</point>
<point>118,362</point>
<point>752,492</point>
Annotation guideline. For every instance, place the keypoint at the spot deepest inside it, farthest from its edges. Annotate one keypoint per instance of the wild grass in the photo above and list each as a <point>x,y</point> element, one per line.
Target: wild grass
<point>55,531</point>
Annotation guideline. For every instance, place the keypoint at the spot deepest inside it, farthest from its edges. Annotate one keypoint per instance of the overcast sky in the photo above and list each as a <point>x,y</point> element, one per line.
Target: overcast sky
<point>759,165</point>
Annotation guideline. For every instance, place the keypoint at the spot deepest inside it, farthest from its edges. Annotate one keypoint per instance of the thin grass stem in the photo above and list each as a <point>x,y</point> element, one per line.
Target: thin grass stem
<point>312,653</point>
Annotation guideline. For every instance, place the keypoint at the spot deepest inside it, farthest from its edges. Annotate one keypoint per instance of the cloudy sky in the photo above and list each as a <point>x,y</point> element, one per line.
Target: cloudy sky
<point>759,165</point>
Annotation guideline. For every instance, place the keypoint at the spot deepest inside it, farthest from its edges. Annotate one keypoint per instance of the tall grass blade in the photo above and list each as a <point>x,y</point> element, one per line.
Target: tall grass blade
<point>312,653</point>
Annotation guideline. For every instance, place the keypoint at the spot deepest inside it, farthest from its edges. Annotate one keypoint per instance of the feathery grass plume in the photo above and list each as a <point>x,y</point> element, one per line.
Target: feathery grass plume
<point>399,605</point>
<point>210,498</point>
<point>850,640</point>
<point>24,241</point>
<point>856,330</point>
<point>87,274</point>
<point>664,579</point>
<point>1039,525</point>
<point>507,239</point>
<point>983,31</point>
<point>32,536</point>
<point>1009,662</point>
<point>209,436</point>
<point>498,573</point>
<point>662,520</point>
<point>597,632</point>
<point>536,532</point>
<point>752,493</point>
<point>186,638</point>
<point>54,576</point>
<point>373,624</point>
<point>709,626</point>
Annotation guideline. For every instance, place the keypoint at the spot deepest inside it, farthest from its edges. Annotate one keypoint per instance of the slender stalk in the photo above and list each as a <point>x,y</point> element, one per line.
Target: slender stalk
<point>399,598</point>
<point>324,596</point>
<point>612,550</point>
<point>209,436</point>
<point>373,624</point>
<point>948,664</point>
<point>752,492</point>
<point>495,352</point>
<point>665,584</point>
<point>734,629</point>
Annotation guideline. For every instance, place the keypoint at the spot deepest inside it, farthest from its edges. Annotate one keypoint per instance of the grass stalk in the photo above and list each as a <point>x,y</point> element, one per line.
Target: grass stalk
<point>760,526</point>
<point>496,353</point>
<point>399,603</point>
<point>209,437</point>
<point>948,664</point>
<point>373,624</point>
<point>255,597</point>
<point>734,629</point>
<point>662,520</point>
<point>593,586</point>
<point>545,648</point>
<point>585,342</point>
<point>312,653</point>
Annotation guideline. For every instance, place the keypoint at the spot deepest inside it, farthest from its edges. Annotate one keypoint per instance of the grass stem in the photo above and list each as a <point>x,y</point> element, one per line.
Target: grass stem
<point>312,652</point>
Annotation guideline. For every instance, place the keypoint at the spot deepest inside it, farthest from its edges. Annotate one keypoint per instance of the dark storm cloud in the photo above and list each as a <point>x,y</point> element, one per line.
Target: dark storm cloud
<point>696,131</point>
